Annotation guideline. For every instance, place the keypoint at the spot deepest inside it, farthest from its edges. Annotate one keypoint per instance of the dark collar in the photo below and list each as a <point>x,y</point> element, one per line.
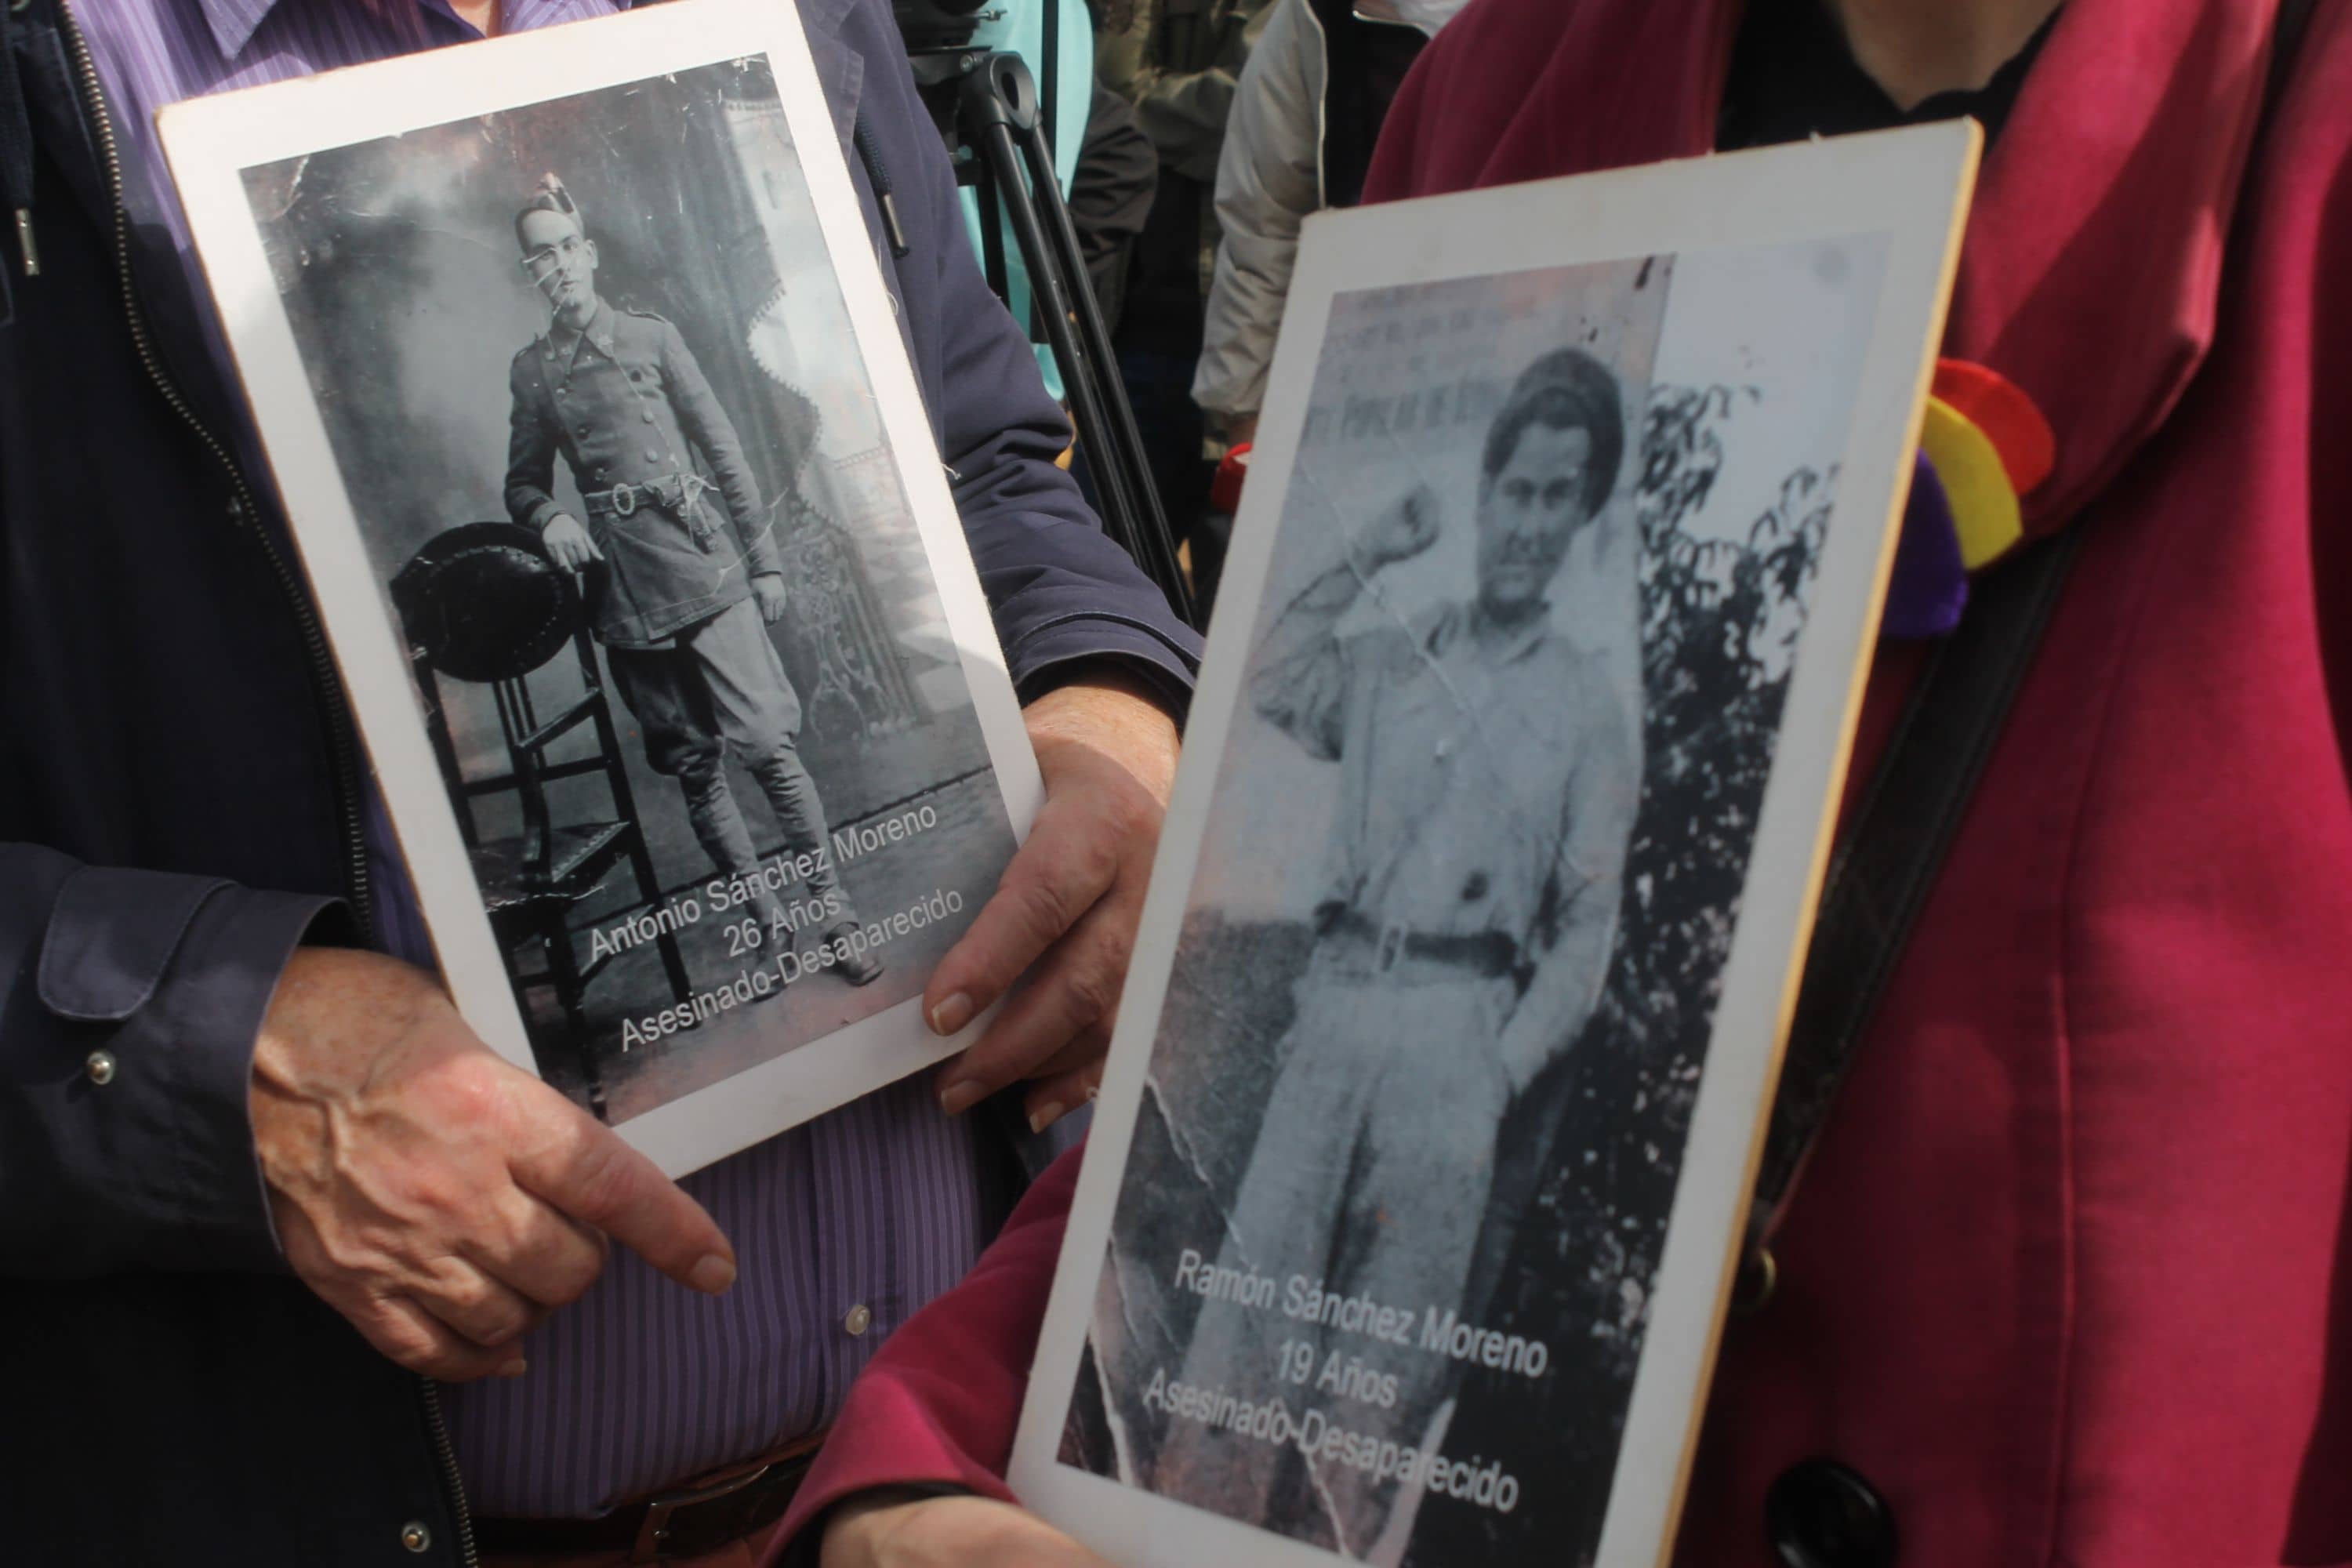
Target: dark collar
<point>566,342</point>
<point>1793,76</point>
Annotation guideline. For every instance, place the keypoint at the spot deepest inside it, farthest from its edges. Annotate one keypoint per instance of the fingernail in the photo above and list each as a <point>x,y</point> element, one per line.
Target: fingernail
<point>712,1276</point>
<point>951,1016</point>
<point>1045,1115</point>
<point>514,1368</point>
<point>959,1097</point>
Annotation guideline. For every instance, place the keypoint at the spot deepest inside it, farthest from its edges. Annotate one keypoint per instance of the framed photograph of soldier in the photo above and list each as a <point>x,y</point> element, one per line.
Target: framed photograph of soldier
<point>1415,1189</point>
<point>581,381</point>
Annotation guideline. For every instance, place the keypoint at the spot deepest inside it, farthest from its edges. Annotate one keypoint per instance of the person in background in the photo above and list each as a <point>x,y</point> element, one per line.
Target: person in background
<point>1307,114</point>
<point>2065,1278</point>
<point>1110,197</point>
<point>1179,62</point>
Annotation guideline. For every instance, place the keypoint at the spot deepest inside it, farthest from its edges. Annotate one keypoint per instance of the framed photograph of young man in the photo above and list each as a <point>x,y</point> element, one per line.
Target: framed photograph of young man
<point>582,384</point>
<point>1412,1201</point>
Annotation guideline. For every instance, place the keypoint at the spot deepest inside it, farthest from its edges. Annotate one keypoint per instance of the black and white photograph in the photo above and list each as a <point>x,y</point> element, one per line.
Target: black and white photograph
<point>635,508</point>
<point>1377,1266</point>
<point>1466,750</point>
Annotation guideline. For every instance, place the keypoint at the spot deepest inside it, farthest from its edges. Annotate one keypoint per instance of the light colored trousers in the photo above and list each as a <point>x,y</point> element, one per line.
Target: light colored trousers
<point>1370,1173</point>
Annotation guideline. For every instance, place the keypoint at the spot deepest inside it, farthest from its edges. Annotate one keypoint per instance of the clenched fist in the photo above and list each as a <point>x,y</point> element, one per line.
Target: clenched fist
<point>1398,534</point>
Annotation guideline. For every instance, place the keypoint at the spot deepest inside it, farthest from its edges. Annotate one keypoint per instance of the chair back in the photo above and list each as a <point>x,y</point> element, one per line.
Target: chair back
<point>482,603</point>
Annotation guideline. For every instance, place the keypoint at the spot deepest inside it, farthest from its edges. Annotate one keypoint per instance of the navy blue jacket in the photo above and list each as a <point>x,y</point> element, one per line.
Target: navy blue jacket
<point>180,805</point>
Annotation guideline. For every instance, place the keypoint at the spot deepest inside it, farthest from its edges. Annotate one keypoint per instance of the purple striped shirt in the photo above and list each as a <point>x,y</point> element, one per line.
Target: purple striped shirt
<point>876,1206</point>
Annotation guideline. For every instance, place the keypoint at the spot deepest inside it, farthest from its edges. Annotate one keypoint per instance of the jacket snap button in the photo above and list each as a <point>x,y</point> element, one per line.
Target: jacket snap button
<point>860,1319</point>
<point>100,1067</point>
<point>1824,1514</point>
<point>415,1537</point>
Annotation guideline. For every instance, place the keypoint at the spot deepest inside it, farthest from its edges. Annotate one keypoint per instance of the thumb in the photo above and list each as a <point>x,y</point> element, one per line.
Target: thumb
<point>584,1169</point>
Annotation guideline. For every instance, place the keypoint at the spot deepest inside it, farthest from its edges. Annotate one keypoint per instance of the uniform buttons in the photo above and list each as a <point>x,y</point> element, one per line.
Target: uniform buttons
<point>1824,1514</point>
<point>1475,887</point>
<point>100,1067</point>
<point>652,456</point>
<point>579,429</point>
<point>647,415</point>
<point>415,1537</point>
<point>860,1319</point>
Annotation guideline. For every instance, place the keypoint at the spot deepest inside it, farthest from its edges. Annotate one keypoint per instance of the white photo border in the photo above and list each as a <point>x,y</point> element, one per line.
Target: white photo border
<point>210,142</point>
<point>1912,185</point>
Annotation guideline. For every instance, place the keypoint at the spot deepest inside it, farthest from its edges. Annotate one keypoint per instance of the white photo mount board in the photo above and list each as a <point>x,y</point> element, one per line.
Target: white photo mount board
<point>1910,189</point>
<point>210,142</point>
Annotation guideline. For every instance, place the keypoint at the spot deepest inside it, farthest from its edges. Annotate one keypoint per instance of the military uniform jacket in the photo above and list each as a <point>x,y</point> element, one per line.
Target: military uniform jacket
<point>629,407</point>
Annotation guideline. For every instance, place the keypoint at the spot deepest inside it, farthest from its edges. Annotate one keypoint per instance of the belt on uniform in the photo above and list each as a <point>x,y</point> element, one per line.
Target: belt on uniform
<point>677,493</point>
<point>1486,954</point>
<point>690,1521</point>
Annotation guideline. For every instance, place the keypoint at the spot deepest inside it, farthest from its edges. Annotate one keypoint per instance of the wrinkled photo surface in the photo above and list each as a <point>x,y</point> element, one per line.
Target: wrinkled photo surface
<point>1379,1270</point>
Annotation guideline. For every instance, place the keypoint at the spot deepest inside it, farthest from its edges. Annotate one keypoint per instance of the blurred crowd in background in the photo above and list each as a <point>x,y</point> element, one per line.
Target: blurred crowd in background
<point>1211,129</point>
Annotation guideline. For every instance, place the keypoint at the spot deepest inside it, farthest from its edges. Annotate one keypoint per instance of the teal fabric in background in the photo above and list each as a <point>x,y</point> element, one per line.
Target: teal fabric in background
<point>1018,26</point>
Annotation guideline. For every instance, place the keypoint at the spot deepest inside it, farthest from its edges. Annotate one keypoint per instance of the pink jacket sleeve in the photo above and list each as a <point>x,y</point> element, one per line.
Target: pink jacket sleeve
<point>938,1405</point>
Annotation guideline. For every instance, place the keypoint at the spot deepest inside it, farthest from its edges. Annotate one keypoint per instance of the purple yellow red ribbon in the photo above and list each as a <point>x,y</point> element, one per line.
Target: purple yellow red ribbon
<point>1983,446</point>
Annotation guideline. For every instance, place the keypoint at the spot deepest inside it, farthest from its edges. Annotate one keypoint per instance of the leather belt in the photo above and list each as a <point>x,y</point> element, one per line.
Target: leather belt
<point>679,494</point>
<point>1484,955</point>
<point>690,1520</point>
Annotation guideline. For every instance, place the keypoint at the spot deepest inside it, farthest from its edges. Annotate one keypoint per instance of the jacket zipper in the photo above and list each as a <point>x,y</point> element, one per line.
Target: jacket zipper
<point>246,514</point>
<point>447,1453</point>
<point>243,509</point>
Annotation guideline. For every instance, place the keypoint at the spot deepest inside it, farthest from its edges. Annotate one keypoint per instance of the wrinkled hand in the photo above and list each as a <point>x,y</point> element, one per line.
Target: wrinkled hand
<point>1066,909</point>
<point>768,592</point>
<point>1398,534</point>
<point>890,1531</point>
<point>568,544</point>
<point>436,1196</point>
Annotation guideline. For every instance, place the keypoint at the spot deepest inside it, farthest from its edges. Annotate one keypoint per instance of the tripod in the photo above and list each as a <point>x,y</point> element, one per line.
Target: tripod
<point>1005,154</point>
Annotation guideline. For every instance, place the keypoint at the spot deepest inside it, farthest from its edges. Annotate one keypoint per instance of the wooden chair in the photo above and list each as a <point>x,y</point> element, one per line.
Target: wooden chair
<point>482,605</point>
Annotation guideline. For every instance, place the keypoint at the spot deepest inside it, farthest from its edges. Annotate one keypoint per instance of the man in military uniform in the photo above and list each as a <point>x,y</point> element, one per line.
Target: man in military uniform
<point>687,590</point>
<point>1486,790</point>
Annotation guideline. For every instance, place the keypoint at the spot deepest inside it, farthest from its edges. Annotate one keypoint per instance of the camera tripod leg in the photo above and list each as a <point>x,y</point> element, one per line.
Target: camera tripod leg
<point>998,118</point>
